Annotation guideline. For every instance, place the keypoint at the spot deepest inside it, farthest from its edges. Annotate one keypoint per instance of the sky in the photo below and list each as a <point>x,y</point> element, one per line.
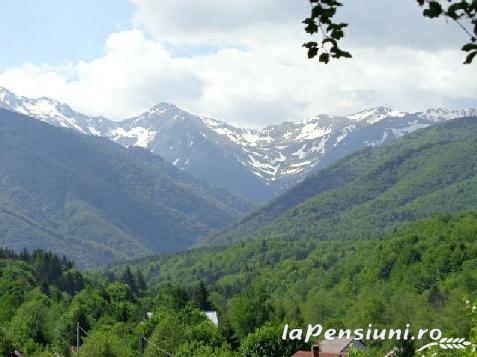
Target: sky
<point>238,61</point>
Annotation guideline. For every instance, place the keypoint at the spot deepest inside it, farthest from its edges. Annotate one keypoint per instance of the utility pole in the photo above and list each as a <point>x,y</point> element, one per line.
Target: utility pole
<point>77,336</point>
<point>139,347</point>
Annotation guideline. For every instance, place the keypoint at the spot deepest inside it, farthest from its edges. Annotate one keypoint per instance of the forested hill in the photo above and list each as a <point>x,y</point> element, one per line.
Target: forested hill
<point>422,273</point>
<point>95,201</point>
<point>432,170</point>
<point>44,299</point>
<point>36,269</point>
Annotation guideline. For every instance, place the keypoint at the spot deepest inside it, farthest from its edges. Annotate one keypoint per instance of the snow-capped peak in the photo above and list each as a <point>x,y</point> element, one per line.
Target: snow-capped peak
<point>53,112</point>
<point>4,90</point>
<point>155,111</point>
<point>440,114</point>
<point>5,97</point>
<point>279,154</point>
<point>161,108</point>
<point>374,115</point>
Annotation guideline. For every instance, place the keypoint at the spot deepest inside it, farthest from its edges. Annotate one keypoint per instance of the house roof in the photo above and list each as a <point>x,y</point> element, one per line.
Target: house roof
<point>335,346</point>
<point>302,354</point>
<point>329,348</point>
<point>322,354</point>
<point>212,316</point>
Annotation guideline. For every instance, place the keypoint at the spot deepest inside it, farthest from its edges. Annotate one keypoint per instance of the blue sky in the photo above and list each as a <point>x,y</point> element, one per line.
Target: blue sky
<point>58,31</point>
<point>240,61</point>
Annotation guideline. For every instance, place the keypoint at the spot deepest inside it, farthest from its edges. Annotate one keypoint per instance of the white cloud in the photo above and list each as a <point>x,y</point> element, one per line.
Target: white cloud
<point>384,23</point>
<point>258,88</point>
<point>376,23</point>
<point>215,21</point>
<point>254,71</point>
<point>133,74</point>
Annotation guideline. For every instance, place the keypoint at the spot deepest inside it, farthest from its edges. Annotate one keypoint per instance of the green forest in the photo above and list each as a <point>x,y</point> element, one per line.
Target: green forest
<point>386,236</point>
<point>422,273</point>
<point>248,178</point>
<point>374,190</point>
<point>95,201</point>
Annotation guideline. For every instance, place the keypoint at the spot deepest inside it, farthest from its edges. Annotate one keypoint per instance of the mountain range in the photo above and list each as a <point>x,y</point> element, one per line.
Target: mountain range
<point>372,191</point>
<point>93,200</point>
<point>257,164</point>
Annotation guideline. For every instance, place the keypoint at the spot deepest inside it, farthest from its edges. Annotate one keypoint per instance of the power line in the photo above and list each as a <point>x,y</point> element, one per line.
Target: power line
<point>158,348</point>
<point>84,331</point>
<point>79,329</point>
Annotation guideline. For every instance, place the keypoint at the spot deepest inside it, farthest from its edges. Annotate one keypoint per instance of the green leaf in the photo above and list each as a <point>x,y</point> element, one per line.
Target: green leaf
<point>312,48</point>
<point>470,57</point>
<point>312,52</point>
<point>346,54</point>
<point>469,47</point>
<point>317,11</point>
<point>452,10</point>
<point>311,26</point>
<point>337,34</point>
<point>324,57</point>
<point>434,10</point>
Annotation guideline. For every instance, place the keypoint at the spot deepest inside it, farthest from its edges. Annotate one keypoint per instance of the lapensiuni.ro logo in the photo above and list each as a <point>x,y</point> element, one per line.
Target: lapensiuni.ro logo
<point>370,333</point>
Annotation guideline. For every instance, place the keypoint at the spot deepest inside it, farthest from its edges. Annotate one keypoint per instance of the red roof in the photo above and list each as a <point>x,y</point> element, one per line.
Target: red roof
<point>302,354</point>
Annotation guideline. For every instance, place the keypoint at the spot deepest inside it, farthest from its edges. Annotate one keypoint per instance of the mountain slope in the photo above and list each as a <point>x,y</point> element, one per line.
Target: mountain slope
<point>255,163</point>
<point>432,170</point>
<point>55,113</point>
<point>421,273</point>
<point>185,141</point>
<point>92,200</point>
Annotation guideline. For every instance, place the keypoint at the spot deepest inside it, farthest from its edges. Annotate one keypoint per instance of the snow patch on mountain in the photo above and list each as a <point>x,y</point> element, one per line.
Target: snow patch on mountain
<point>400,132</point>
<point>312,131</point>
<point>143,136</point>
<point>279,155</point>
<point>374,115</point>
<point>440,114</point>
<point>242,137</point>
<point>53,112</point>
<point>344,133</point>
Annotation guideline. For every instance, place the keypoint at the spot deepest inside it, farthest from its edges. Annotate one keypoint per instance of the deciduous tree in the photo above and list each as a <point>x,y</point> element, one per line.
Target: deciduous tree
<point>322,23</point>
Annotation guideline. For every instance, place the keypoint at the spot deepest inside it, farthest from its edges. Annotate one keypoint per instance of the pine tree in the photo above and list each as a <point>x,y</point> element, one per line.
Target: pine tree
<point>140,282</point>
<point>68,283</point>
<point>201,296</point>
<point>128,279</point>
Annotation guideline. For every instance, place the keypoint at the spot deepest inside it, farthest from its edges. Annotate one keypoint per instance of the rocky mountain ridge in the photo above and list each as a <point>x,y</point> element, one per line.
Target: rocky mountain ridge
<point>255,163</point>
